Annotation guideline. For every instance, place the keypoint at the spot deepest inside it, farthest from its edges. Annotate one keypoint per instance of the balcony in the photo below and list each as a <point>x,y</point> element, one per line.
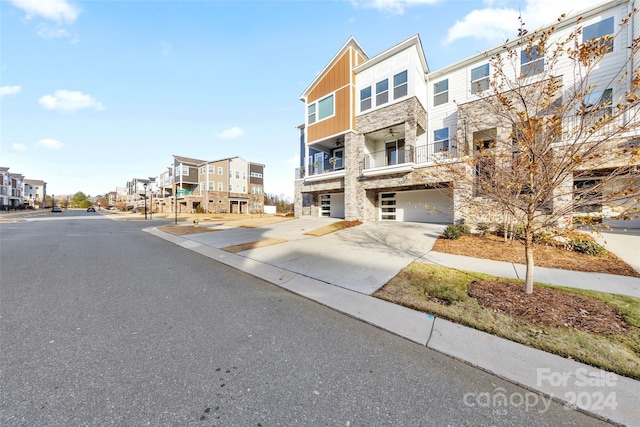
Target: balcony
<point>434,152</point>
<point>389,161</point>
<point>328,168</point>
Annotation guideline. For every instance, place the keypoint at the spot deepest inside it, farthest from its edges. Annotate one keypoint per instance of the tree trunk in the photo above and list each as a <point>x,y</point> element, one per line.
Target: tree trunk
<point>528,251</point>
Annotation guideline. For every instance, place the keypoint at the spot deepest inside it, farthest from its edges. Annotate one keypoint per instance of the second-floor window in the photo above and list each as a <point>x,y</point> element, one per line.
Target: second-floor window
<point>220,170</point>
<point>531,62</point>
<point>237,174</point>
<point>602,30</point>
<point>598,103</point>
<point>311,113</point>
<point>185,170</point>
<point>382,92</point>
<point>480,78</point>
<point>441,140</point>
<point>400,85</point>
<point>441,92</point>
<point>365,98</point>
<point>220,186</point>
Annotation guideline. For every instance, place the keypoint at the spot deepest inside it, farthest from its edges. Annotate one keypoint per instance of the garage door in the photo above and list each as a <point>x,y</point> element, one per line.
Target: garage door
<point>416,206</point>
<point>332,205</point>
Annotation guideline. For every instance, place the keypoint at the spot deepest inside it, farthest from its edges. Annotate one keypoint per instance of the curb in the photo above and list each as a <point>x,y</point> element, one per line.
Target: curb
<point>578,386</point>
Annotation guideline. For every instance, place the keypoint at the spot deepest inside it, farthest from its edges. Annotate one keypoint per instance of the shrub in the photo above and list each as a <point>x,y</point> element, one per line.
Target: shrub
<point>451,232</point>
<point>483,228</point>
<point>585,246</point>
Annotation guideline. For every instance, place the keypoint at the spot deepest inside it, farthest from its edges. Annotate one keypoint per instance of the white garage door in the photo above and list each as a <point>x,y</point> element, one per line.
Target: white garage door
<point>417,206</point>
<point>332,205</point>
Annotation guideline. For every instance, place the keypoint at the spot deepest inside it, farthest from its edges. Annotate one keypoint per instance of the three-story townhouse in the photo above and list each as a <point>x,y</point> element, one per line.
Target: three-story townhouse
<point>402,122</point>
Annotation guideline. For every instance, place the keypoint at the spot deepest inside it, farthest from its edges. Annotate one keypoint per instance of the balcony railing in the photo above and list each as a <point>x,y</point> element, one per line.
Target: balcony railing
<point>325,166</point>
<point>388,158</point>
<point>436,151</point>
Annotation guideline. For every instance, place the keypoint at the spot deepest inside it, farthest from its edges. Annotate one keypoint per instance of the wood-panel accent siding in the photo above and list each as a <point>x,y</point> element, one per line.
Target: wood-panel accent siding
<point>335,78</point>
<point>336,124</point>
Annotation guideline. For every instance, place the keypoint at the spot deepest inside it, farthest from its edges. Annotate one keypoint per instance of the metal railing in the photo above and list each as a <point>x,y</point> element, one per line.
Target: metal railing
<point>436,151</point>
<point>379,159</point>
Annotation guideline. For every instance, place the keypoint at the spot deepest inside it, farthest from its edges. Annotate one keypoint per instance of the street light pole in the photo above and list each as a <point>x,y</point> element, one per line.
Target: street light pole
<point>145,201</point>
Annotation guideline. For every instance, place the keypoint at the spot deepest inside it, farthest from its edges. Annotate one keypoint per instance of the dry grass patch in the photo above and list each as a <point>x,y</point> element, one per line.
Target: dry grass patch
<point>495,248</point>
<point>253,245</point>
<point>185,230</point>
<point>332,228</point>
<point>549,321</point>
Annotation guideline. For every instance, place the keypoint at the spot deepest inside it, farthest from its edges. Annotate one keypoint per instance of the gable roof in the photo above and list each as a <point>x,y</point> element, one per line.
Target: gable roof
<point>411,41</point>
<point>188,160</point>
<point>350,44</point>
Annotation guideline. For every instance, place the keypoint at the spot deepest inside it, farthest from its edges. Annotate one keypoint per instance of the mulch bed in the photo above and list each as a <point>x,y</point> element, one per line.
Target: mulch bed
<point>549,307</point>
<point>495,248</point>
<point>184,230</point>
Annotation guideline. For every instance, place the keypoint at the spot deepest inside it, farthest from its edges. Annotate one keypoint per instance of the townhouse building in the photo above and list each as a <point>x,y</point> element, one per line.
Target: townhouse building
<point>228,185</point>
<point>377,129</point>
<point>35,192</point>
<point>11,189</point>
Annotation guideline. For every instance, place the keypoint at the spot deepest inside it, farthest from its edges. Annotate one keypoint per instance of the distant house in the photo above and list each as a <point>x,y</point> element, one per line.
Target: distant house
<point>35,192</point>
<point>229,185</point>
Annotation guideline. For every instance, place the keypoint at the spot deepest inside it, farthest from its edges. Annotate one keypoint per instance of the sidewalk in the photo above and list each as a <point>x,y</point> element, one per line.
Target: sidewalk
<point>605,395</point>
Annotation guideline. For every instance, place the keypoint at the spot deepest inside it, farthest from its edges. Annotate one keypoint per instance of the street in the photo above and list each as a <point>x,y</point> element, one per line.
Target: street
<point>103,324</point>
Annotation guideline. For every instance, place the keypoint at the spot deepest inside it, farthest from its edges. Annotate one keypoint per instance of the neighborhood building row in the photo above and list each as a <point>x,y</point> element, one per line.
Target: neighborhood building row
<point>229,185</point>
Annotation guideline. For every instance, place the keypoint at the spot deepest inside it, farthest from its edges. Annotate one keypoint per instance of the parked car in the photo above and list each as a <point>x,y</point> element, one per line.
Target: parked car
<point>91,209</point>
<point>56,209</point>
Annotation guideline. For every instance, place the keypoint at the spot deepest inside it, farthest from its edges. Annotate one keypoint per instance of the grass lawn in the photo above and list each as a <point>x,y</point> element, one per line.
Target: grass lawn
<point>603,330</point>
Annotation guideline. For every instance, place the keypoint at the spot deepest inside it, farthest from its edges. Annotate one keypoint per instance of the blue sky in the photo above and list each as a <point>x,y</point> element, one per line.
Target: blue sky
<point>95,93</point>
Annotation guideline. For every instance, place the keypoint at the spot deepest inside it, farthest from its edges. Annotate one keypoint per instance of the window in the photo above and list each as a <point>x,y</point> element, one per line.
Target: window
<point>220,170</point>
<point>441,92</point>
<point>480,78</point>
<point>395,152</point>
<point>220,187</point>
<point>211,169</point>
<point>311,113</point>
<point>201,170</point>
<point>365,98</point>
<point>185,170</point>
<point>325,107</point>
<point>598,104</point>
<point>441,140</point>
<point>485,139</point>
<point>382,92</point>
<point>244,175</point>
<point>244,188</point>
<point>531,63</point>
<point>598,31</point>
<point>237,174</point>
<point>212,185</point>
<point>400,85</point>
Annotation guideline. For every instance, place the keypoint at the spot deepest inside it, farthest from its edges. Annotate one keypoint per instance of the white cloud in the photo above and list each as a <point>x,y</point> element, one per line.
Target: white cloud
<point>49,143</point>
<point>394,6</point>
<point>9,90</point>
<point>54,10</point>
<point>499,24</point>
<point>19,147</point>
<point>230,133</point>
<point>52,33</point>
<point>66,100</point>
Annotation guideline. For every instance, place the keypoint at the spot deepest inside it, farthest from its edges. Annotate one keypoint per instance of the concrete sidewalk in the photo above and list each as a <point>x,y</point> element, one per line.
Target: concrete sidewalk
<point>344,257</point>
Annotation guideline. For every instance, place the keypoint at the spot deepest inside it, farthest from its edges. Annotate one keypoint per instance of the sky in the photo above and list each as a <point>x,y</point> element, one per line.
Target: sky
<point>94,93</point>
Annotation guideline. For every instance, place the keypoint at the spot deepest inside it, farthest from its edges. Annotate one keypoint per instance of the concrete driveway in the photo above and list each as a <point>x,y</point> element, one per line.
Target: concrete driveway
<point>361,258</point>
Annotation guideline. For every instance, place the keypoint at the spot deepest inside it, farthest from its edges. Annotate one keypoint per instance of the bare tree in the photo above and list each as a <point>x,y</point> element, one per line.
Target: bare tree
<point>551,135</point>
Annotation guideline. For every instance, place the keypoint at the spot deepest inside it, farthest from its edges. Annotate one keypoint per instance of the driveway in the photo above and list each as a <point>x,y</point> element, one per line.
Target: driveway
<point>361,258</point>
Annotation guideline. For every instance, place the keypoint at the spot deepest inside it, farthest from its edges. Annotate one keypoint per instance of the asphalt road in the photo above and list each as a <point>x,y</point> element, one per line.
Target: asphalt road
<point>102,324</point>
